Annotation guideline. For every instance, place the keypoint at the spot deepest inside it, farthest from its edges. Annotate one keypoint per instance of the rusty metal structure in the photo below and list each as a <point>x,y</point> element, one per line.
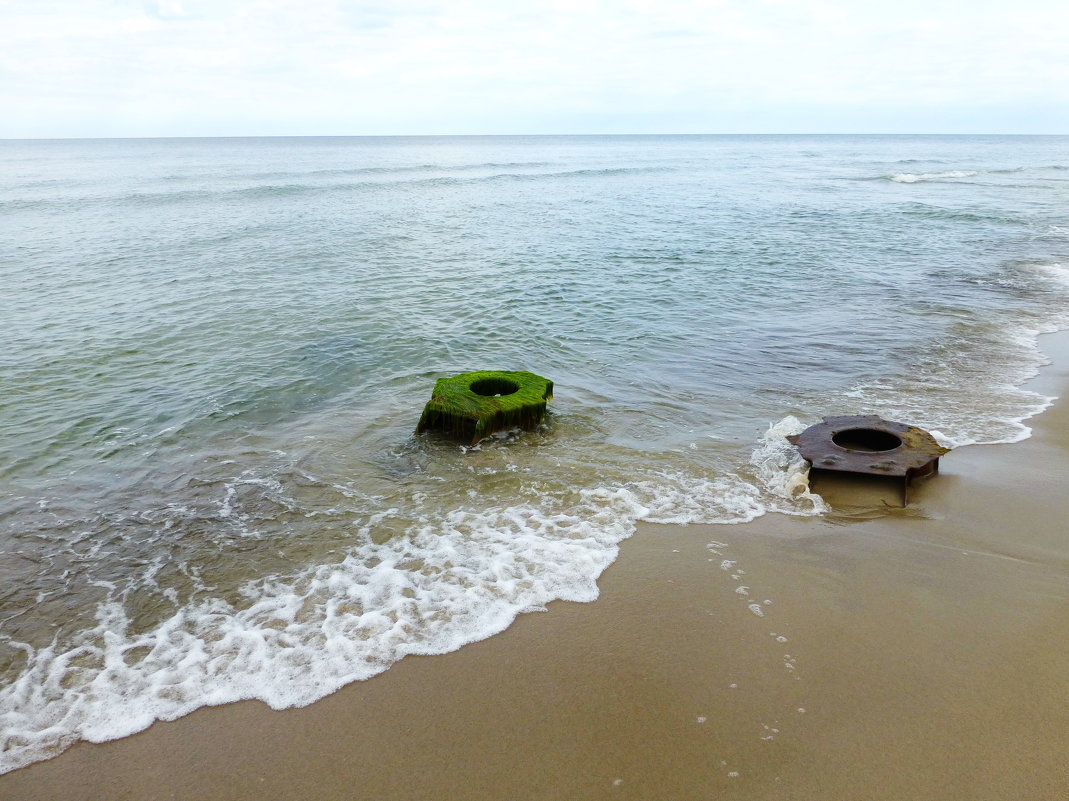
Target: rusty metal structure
<point>870,445</point>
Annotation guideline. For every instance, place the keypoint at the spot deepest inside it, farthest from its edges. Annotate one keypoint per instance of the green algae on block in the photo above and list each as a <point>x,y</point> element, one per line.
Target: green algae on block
<point>471,406</point>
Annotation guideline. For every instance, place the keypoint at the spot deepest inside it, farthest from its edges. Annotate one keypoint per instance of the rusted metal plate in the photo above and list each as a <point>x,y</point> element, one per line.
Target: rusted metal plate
<point>870,445</point>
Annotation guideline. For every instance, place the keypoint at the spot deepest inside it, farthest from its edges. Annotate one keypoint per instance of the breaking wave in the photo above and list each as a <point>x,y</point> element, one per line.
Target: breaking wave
<point>914,178</point>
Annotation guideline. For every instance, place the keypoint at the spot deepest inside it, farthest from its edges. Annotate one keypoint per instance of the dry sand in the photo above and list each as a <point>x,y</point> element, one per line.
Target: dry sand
<point>905,654</point>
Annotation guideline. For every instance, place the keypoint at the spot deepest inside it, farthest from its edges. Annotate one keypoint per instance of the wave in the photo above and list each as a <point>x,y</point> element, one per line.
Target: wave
<point>913,178</point>
<point>968,387</point>
<point>289,640</point>
<point>951,175</point>
<point>191,196</point>
<point>400,169</point>
<point>939,213</point>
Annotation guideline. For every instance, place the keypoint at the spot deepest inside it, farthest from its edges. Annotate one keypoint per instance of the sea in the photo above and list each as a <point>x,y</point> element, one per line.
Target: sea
<point>214,354</point>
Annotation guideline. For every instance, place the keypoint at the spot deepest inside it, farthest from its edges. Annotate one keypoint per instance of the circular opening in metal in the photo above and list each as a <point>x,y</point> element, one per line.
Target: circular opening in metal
<point>866,439</point>
<point>491,387</point>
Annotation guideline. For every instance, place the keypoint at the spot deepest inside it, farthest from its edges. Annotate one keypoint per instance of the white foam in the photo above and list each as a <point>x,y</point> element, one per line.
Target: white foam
<point>913,177</point>
<point>1055,272</point>
<point>966,400</point>
<point>783,472</point>
<point>289,640</point>
<point>681,499</point>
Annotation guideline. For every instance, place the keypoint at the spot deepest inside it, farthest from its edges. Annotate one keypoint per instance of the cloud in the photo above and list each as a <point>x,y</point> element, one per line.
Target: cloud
<point>164,9</point>
<point>470,66</point>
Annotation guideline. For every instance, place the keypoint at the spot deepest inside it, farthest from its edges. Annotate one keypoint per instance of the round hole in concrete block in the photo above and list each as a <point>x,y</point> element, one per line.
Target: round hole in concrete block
<point>866,439</point>
<point>490,387</point>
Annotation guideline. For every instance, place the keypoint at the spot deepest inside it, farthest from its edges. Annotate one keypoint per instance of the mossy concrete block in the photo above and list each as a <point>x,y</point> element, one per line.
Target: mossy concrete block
<point>471,406</point>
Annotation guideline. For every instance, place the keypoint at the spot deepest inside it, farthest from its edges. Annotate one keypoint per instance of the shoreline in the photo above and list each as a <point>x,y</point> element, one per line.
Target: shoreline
<point>915,653</point>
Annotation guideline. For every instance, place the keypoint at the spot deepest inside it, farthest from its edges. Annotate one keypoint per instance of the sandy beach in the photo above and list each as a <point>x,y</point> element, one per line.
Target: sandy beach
<point>873,653</point>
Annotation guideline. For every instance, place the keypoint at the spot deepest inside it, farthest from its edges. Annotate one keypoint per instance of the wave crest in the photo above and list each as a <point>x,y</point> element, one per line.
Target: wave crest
<point>914,177</point>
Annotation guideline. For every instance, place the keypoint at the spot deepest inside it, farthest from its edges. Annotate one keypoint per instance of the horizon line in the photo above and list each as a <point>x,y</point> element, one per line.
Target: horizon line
<point>489,135</point>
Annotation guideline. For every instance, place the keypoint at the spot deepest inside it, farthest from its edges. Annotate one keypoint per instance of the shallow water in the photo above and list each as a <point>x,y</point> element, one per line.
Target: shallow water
<point>215,353</point>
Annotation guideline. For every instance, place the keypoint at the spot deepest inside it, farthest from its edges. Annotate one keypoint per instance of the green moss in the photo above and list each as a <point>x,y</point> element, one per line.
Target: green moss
<point>471,406</point>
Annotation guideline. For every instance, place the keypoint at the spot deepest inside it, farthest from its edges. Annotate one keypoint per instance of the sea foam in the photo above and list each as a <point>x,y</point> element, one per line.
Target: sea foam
<point>289,640</point>
<point>913,177</point>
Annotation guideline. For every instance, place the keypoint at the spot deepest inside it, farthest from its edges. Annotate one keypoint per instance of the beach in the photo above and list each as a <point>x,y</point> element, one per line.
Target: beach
<point>873,653</point>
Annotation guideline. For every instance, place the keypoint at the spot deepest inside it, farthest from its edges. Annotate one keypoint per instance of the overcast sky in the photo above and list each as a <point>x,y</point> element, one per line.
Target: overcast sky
<point>333,67</point>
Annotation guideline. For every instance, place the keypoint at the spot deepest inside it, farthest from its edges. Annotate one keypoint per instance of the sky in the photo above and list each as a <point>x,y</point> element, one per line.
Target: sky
<point>114,68</point>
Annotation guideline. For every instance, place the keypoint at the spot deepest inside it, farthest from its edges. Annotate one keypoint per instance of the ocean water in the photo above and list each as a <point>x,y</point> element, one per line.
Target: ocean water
<point>214,354</point>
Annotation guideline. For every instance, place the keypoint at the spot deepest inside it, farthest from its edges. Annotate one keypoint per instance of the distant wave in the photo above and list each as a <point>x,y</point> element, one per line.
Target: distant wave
<point>407,169</point>
<point>583,173</point>
<point>914,177</point>
<point>294,188</point>
<point>953,175</point>
<point>940,213</point>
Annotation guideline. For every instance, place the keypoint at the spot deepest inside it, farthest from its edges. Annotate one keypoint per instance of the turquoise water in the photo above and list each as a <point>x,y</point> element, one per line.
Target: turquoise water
<point>215,353</point>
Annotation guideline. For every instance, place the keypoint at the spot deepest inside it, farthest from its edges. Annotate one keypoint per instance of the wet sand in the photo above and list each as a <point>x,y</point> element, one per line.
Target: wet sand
<point>916,653</point>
